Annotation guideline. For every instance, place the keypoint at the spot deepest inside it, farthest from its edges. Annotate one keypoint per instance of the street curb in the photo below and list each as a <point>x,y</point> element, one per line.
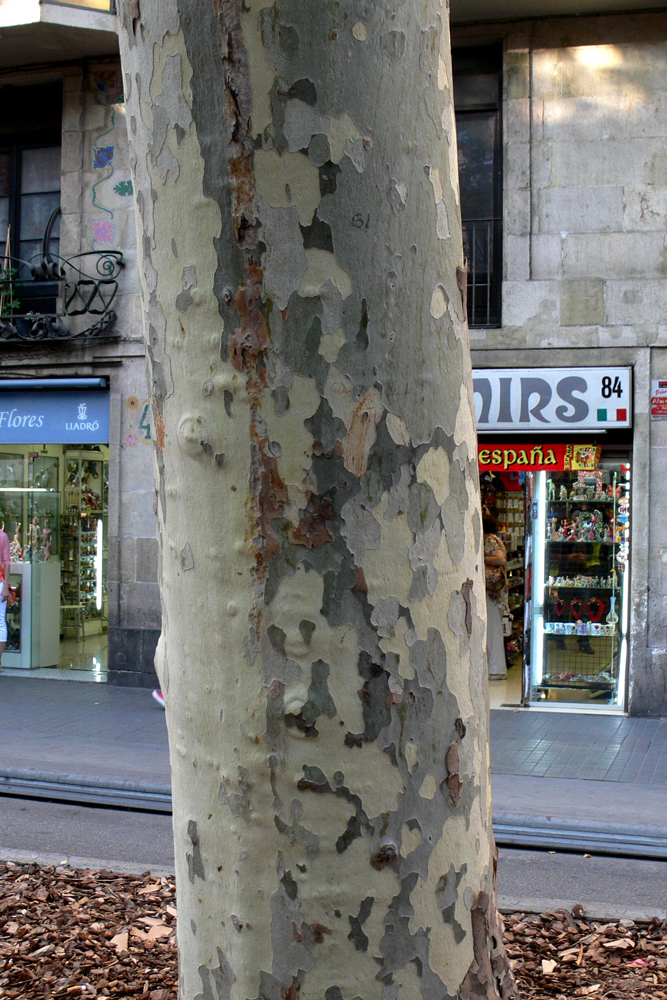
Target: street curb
<point>72,861</point>
<point>510,829</point>
<point>142,795</point>
<point>593,910</point>
<point>639,841</point>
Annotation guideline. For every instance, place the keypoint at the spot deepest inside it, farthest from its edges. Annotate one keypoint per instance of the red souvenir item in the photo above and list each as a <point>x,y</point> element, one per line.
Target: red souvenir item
<point>577,608</point>
<point>595,609</point>
<point>559,606</point>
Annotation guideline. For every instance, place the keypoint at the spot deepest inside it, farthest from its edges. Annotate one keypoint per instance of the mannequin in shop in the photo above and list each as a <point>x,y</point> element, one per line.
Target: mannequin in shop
<point>47,539</point>
<point>497,597</point>
<point>15,547</point>
<point>34,535</point>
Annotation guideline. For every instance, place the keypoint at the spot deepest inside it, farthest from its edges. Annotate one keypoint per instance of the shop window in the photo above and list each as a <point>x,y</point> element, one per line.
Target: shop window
<point>29,193</point>
<point>477,90</point>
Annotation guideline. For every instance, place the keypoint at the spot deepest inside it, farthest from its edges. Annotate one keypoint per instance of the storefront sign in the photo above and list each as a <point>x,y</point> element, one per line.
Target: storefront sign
<point>43,417</point>
<point>659,400</point>
<point>536,457</point>
<point>552,399</point>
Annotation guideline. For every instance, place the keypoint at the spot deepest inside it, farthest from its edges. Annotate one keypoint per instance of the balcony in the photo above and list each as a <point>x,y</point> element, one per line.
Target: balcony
<point>50,31</point>
<point>53,299</point>
<point>482,246</point>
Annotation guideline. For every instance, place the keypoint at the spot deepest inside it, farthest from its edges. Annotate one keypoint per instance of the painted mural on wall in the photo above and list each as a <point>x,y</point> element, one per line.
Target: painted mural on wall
<point>138,413</point>
<point>109,96</point>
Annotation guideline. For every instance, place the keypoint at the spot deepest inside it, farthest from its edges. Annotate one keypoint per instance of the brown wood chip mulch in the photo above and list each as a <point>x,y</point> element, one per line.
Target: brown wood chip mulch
<point>69,933</point>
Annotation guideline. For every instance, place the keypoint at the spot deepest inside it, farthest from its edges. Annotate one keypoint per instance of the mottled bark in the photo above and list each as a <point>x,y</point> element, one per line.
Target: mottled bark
<point>322,653</point>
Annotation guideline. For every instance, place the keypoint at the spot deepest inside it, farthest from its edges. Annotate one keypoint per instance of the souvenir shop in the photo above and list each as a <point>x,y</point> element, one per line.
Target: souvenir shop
<point>557,477</point>
<point>54,461</point>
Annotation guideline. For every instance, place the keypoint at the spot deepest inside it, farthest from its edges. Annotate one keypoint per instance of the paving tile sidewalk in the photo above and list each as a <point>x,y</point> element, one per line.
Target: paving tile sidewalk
<point>59,728</point>
<point>590,747</point>
<point>552,764</point>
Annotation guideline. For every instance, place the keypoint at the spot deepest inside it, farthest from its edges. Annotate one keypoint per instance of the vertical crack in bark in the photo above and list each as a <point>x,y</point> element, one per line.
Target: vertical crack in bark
<point>250,341</point>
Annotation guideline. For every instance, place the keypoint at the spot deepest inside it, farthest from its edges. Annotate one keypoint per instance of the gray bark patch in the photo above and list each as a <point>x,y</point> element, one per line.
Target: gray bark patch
<point>216,983</point>
<point>187,558</point>
<point>195,863</point>
<point>360,530</point>
<point>356,935</point>
<point>239,803</point>
<point>291,956</point>
<point>298,834</point>
<point>447,894</point>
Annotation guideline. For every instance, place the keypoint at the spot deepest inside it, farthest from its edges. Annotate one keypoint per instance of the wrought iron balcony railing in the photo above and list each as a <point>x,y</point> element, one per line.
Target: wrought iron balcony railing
<point>50,298</point>
<point>482,246</point>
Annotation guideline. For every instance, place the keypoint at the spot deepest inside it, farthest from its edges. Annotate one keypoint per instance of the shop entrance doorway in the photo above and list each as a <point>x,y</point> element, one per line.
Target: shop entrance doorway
<point>566,528</point>
<point>54,508</point>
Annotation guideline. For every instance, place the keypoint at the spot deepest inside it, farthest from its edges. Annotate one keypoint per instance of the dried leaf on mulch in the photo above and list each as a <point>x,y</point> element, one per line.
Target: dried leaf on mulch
<point>561,955</point>
<point>94,934</point>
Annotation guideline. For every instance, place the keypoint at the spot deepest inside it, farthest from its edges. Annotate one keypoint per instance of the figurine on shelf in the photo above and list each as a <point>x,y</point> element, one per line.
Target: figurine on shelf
<point>551,490</point>
<point>47,539</point>
<point>563,493</point>
<point>15,548</point>
<point>34,535</point>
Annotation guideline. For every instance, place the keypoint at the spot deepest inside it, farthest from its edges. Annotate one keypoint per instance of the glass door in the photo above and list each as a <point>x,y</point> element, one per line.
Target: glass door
<point>580,587</point>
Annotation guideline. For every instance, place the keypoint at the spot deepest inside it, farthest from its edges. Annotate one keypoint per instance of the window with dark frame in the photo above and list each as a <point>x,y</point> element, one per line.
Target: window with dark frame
<point>30,139</point>
<point>477,102</point>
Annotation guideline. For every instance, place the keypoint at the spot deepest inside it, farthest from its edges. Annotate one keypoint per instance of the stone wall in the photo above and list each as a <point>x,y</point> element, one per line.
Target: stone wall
<point>97,214</point>
<point>585,249</point>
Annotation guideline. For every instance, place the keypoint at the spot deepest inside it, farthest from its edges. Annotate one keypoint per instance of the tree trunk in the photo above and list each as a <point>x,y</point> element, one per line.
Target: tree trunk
<point>322,654</point>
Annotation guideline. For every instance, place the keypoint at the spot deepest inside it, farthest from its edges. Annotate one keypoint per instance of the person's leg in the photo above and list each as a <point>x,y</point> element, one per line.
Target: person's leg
<point>3,629</point>
<point>495,643</point>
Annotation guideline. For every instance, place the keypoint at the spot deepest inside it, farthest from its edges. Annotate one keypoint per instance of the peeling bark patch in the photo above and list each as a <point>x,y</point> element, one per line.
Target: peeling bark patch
<point>352,832</point>
<point>314,780</point>
<point>466,591</point>
<point>319,930</point>
<point>489,976</point>
<point>195,863</point>
<point>187,559</point>
<point>453,781</point>
<point>298,834</point>
<point>356,935</point>
<point>290,952</point>
<point>312,529</point>
<point>221,980</point>
<point>229,399</point>
<point>319,701</point>
<point>306,628</point>
<point>447,894</point>
<point>240,802</point>
<point>385,855</point>
<point>375,697</point>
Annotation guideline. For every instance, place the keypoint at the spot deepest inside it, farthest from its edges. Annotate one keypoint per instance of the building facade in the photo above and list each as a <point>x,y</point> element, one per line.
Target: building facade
<point>570,166</point>
<point>82,500</point>
<point>562,120</point>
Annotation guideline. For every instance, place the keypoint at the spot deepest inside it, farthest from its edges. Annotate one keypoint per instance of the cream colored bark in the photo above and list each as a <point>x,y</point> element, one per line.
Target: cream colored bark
<point>322,654</point>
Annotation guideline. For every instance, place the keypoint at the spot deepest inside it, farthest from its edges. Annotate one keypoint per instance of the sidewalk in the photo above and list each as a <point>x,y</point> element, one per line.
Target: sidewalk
<point>551,771</point>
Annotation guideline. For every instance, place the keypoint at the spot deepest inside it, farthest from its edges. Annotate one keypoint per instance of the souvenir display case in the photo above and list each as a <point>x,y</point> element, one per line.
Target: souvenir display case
<point>31,519</point>
<point>84,536</point>
<point>17,650</point>
<point>580,589</point>
<point>33,621</point>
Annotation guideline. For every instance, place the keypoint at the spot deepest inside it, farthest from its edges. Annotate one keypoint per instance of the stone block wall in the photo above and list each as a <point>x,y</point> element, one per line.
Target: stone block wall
<point>584,123</point>
<point>97,207</point>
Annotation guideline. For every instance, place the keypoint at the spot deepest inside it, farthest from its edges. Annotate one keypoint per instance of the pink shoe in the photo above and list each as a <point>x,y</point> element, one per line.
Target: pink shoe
<point>159,698</point>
